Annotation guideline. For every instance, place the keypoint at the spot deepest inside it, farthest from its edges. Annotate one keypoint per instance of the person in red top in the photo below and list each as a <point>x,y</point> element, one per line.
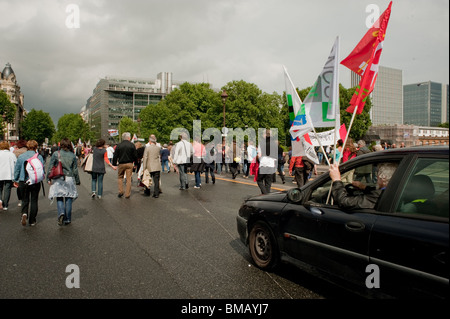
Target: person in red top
<point>296,168</point>
<point>349,151</point>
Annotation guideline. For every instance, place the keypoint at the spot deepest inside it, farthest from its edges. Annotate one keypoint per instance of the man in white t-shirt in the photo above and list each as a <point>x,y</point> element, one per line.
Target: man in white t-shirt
<point>182,151</point>
<point>267,155</point>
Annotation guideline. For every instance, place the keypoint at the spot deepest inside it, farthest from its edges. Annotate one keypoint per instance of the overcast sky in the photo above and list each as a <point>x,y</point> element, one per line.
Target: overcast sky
<point>213,41</point>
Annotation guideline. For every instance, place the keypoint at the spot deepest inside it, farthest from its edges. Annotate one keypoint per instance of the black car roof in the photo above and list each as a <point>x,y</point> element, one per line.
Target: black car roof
<point>440,149</point>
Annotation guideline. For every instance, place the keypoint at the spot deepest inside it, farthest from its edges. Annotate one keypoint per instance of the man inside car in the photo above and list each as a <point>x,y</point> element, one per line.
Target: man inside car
<point>368,195</point>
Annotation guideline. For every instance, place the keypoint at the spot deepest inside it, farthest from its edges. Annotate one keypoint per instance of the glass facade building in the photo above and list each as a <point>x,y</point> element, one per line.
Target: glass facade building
<point>387,96</point>
<point>116,97</point>
<point>424,104</point>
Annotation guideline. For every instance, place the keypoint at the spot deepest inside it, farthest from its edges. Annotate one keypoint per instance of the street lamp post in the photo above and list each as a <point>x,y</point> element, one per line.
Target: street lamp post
<point>224,97</point>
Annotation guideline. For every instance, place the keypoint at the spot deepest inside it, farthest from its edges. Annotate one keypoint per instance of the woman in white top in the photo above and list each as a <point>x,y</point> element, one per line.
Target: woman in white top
<point>7,163</point>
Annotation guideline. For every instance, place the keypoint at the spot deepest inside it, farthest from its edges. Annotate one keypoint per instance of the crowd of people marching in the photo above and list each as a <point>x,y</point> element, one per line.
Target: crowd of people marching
<point>148,161</point>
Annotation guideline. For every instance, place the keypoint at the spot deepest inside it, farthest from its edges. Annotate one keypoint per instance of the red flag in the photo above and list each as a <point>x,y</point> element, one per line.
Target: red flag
<point>364,60</point>
<point>343,132</point>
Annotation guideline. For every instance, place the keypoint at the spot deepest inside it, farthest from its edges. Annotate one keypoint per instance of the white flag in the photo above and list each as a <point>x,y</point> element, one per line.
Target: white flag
<point>302,120</point>
<point>322,102</point>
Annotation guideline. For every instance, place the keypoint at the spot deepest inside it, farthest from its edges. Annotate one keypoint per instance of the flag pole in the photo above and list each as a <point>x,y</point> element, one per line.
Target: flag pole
<point>348,132</point>
<point>321,146</point>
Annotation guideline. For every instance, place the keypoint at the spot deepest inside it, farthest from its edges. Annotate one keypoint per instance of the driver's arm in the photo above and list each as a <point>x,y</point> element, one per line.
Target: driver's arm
<point>345,200</point>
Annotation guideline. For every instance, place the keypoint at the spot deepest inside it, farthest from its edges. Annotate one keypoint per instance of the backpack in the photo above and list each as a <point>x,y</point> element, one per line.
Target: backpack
<point>34,170</point>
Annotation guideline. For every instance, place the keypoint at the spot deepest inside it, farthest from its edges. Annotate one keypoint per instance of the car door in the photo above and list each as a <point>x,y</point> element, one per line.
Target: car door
<point>326,237</point>
<point>410,245</point>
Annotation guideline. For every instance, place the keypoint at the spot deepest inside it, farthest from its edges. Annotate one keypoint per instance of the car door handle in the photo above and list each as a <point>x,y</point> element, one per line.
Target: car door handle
<point>355,226</point>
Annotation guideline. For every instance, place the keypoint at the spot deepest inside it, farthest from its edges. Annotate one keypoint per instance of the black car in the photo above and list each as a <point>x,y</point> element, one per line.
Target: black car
<point>398,249</point>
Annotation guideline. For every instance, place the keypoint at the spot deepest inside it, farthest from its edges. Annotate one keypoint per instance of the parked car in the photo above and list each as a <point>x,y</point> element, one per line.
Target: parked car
<point>399,249</point>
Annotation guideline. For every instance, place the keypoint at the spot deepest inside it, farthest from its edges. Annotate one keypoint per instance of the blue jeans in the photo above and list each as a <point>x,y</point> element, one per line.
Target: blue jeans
<point>183,176</point>
<point>64,205</point>
<point>97,177</point>
<point>198,180</point>
<point>165,163</point>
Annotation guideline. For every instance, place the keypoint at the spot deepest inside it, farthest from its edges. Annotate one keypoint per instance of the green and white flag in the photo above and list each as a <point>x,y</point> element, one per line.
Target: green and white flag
<point>322,102</point>
<point>301,119</point>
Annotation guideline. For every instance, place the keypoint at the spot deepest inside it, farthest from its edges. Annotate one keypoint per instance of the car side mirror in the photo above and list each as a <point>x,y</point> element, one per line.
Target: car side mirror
<point>294,195</point>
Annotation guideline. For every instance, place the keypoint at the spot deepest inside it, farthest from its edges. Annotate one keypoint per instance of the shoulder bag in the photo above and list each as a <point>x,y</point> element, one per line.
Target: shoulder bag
<point>57,170</point>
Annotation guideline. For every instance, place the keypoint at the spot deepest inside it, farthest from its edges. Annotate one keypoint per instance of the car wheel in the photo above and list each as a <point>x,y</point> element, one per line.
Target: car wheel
<point>263,247</point>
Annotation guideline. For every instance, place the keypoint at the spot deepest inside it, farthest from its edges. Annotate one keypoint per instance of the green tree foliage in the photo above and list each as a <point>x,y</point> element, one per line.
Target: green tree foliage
<point>7,109</point>
<point>37,126</point>
<point>179,109</point>
<point>73,127</point>
<point>127,125</point>
<point>246,107</point>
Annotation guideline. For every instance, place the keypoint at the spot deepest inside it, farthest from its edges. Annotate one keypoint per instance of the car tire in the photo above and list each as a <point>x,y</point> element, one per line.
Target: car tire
<point>263,246</point>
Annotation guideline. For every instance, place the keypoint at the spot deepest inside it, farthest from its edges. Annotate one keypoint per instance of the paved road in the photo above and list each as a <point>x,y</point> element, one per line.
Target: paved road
<point>183,245</point>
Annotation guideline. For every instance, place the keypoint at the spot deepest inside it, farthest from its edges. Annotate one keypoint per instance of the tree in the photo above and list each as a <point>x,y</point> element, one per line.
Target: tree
<point>127,125</point>
<point>248,106</point>
<point>7,109</point>
<point>73,127</point>
<point>179,109</point>
<point>37,126</point>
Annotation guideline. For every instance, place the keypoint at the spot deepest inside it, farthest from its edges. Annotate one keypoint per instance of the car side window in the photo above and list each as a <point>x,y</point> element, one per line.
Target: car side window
<point>365,174</point>
<point>426,190</point>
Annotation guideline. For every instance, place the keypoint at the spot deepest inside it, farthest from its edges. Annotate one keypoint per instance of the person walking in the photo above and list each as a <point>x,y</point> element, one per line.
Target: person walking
<point>182,151</point>
<point>251,154</point>
<point>30,193</point>
<point>165,154</point>
<point>7,163</point>
<point>98,168</point>
<point>210,162</point>
<point>21,147</point>
<point>198,165</point>
<point>235,160</point>
<point>110,152</point>
<point>267,155</point>
<point>297,168</point>
<point>124,157</point>
<point>152,162</point>
<point>64,188</point>
<point>280,163</point>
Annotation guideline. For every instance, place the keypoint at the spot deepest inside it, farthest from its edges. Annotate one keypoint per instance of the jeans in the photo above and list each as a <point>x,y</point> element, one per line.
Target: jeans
<point>5,192</point>
<point>280,169</point>
<point>64,205</point>
<point>198,179</point>
<point>320,157</point>
<point>183,176</point>
<point>97,178</point>
<point>209,169</point>
<point>165,163</point>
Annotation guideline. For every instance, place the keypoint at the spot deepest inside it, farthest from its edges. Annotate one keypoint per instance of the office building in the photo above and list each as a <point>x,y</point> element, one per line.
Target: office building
<point>116,97</point>
<point>387,96</point>
<point>425,104</point>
